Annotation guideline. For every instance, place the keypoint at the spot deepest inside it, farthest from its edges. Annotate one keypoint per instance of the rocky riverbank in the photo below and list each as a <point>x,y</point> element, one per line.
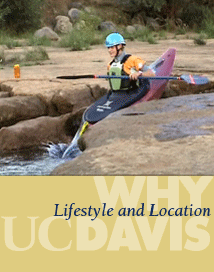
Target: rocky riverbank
<point>38,108</point>
<point>173,136</point>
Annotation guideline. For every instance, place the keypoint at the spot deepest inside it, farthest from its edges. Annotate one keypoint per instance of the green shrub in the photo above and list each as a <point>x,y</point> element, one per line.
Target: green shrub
<point>162,35</point>
<point>81,39</point>
<point>76,40</point>
<point>8,40</point>
<point>200,39</point>
<point>84,34</point>
<point>21,15</point>
<point>140,34</point>
<point>36,54</point>
<point>151,39</point>
<point>91,21</point>
<point>35,41</point>
<point>208,27</point>
<point>4,10</point>
<point>194,14</point>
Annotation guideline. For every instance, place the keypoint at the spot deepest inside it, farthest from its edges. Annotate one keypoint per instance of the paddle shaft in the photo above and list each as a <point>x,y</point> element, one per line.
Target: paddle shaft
<point>190,79</point>
<point>141,77</point>
<point>116,77</point>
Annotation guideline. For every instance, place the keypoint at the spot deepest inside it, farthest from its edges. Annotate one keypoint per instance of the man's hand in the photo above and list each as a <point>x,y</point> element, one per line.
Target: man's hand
<point>135,75</point>
<point>148,73</point>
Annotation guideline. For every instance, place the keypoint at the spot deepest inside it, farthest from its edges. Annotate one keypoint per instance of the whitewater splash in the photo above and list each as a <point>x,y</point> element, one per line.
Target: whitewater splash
<point>66,151</point>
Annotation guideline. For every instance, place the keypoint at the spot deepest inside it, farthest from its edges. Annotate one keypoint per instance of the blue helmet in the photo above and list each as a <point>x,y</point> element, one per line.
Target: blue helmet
<point>114,39</point>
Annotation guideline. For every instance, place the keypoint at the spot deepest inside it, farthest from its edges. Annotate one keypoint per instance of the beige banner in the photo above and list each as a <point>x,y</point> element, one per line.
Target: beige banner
<point>106,223</point>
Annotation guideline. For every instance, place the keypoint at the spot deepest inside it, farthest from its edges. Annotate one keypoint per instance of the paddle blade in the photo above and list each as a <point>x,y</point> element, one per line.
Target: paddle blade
<point>76,77</point>
<point>195,79</point>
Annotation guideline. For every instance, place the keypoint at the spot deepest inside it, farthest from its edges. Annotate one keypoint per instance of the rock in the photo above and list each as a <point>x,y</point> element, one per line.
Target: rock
<point>74,14</point>
<point>173,136</point>
<point>47,32</point>
<point>152,23</point>
<point>3,47</point>
<point>4,94</point>
<point>59,96</point>
<point>107,26</point>
<point>14,109</point>
<point>139,19</point>
<point>88,10</point>
<point>34,132</point>
<point>179,87</point>
<point>76,5</point>
<point>72,124</point>
<point>2,55</point>
<point>130,29</point>
<point>66,101</point>
<point>139,27</point>
<point>63,24</point>
<point>11,58</point>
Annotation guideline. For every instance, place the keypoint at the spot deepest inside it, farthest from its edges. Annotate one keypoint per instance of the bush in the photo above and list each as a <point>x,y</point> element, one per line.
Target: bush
<point>84,34</point>
<point>36,54</point>
<point>200,39</point>
<point>144,35</point>
<point>8,40</point>
<point>35,41</point>
<point>208,27</point>
<point>21,15</point>
<point>193,15</point>
<point>77,40</point>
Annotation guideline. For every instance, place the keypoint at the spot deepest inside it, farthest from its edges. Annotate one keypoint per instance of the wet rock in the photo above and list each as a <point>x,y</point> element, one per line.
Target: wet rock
<point>34,132</point>
<point>46,32</point>
<point>72,124</point>
<point>14,109</point>
<point>63,24</point>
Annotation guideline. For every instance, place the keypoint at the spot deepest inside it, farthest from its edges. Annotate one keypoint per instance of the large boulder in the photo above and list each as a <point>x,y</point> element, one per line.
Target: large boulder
<point>46,32</point>
<point>66,101</point>
<point>63,24</point>
<point>74,14</point>
<point>34,132</point>
<point>107,26</point>
<point>14,109</point>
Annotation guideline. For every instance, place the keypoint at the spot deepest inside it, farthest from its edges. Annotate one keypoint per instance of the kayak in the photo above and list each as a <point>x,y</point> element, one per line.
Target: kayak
<point>148,90</point>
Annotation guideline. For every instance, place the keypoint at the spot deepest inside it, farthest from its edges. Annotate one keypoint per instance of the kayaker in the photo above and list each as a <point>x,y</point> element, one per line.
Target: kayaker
<point>124,64</point>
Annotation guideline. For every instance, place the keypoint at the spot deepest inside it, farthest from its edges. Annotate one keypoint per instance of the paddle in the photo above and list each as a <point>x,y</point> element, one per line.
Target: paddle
<point>190,79</point>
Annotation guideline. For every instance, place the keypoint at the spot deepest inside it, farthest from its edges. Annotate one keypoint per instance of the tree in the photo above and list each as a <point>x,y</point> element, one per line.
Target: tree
<point>21,15</point>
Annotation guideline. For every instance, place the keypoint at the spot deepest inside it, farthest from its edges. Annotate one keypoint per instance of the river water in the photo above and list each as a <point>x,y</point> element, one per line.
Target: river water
<point>39,161</point>
<point>28,163</point>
